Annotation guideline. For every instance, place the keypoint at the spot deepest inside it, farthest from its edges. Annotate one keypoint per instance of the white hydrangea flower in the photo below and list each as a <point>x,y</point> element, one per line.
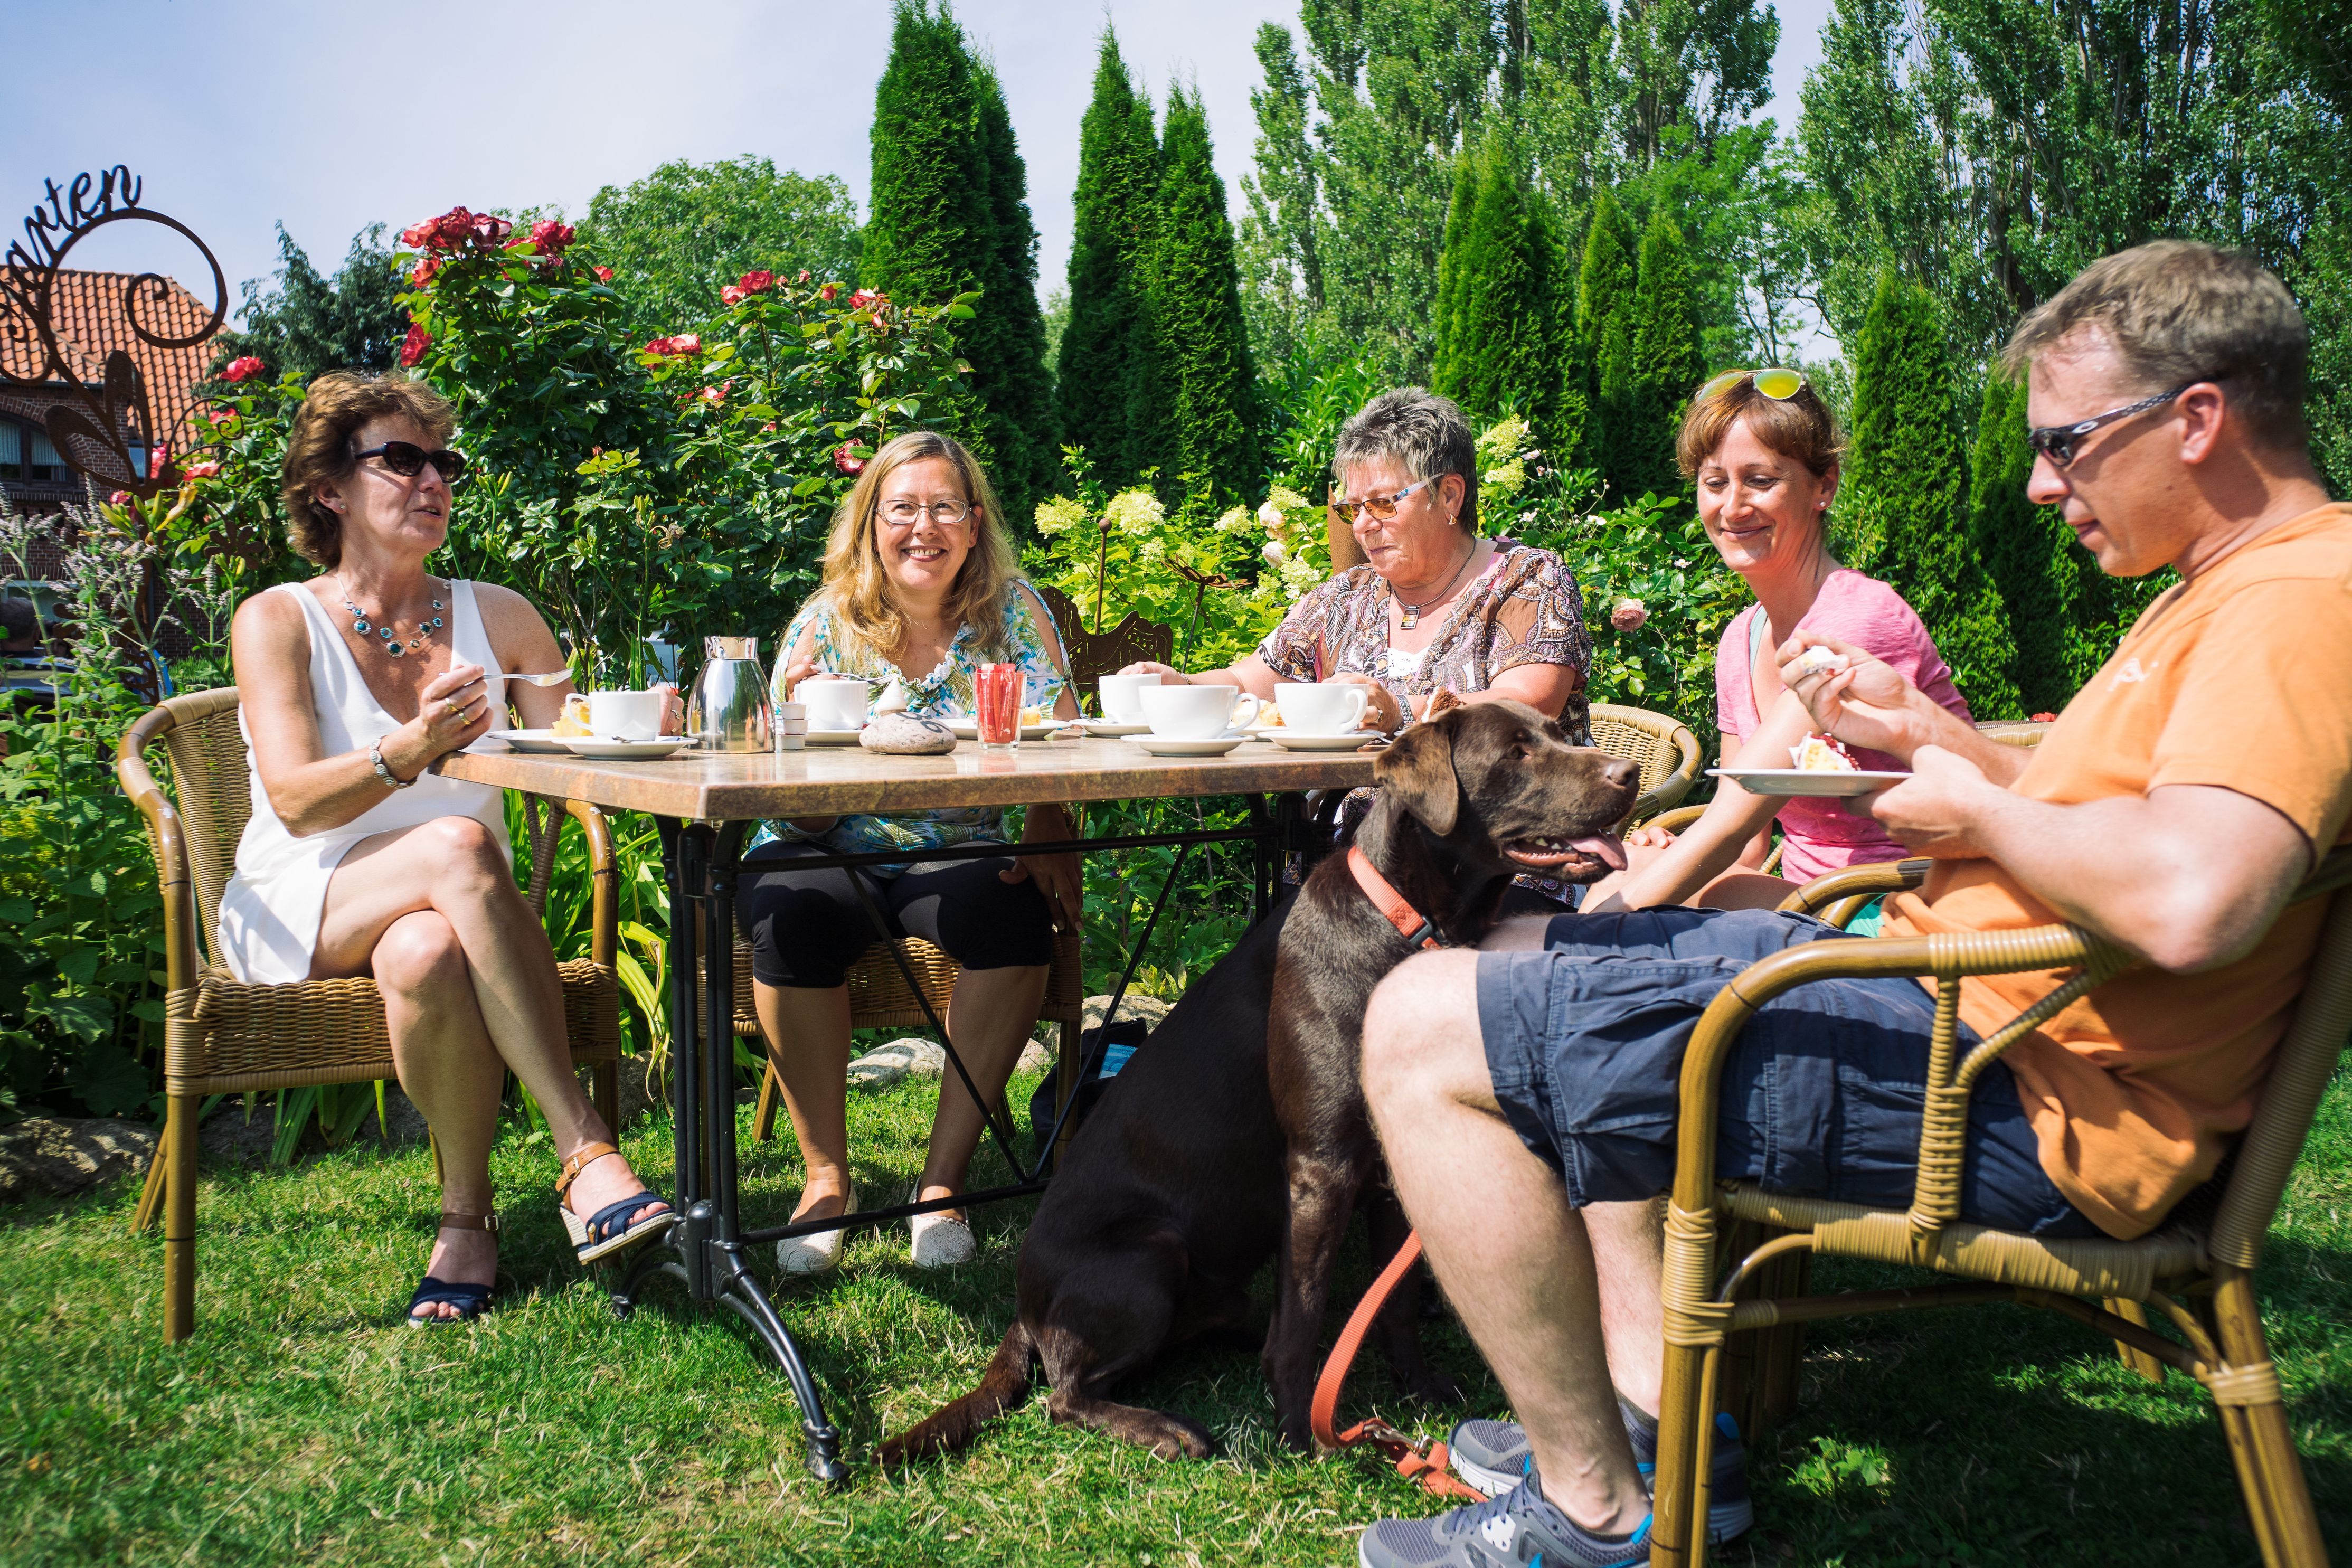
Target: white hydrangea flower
<point>1283,500</point>
<point>1505,481</point>
<point>1135,511</point>
<point>1502,440</point>
<point>1060,513</point>
<point>1234,518</point>
<point>1275,552</point>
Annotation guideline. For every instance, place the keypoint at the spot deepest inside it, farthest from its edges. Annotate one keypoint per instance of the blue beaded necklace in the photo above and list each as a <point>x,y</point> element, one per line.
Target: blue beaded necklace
<point>391,643</point>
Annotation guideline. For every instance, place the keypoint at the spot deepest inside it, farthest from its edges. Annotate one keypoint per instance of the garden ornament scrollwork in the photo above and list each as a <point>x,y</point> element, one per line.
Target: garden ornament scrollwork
<point>30,354</point>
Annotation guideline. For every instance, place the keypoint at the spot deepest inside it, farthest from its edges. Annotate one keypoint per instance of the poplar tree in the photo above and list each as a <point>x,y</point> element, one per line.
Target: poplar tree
<point>1603,353</point>
<point>1669,359</point>
<point>1496,350</point>
<point>1907,481</point>
<point>1107,381</point>
<point>1207,379</point>
<point>2035,563</point>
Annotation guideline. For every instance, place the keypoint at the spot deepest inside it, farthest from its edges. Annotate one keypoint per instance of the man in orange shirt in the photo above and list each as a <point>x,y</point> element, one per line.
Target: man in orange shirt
<point>1525,1097</point>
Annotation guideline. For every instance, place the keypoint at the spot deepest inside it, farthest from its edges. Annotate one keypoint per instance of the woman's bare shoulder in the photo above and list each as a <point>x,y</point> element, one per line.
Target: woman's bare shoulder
<point>271,614</point>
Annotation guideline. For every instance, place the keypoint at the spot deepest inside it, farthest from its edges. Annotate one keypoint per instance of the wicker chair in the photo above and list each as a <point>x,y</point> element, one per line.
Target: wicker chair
<point>2196,1270</point>
<point>222,1036</point>
<point>1661,745</point>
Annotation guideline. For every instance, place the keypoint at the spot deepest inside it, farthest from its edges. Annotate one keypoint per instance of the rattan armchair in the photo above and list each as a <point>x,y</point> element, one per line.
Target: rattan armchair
<point>224,1036</point>
<point>2195,1271</point>
<point>1661,745</point>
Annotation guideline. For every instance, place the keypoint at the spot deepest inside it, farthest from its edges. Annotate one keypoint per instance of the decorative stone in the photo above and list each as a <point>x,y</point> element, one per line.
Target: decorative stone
<point>904,735</point>
<point>1135,1004</point>
<point>1035,1056</point>
<point>50,1154</point>
<point>881,1067</point>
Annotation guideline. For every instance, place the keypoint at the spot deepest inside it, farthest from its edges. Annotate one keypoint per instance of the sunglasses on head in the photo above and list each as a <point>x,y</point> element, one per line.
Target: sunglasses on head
<point>1776,381</point>
<point>2058,441</point>
<point>407,459</point>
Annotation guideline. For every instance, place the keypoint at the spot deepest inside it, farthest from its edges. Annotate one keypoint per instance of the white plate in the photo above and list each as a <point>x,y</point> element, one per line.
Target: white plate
<point>1168,746</point>
<point>833,737</point>
<point>542,741</point>
<point>1807,781</point>
<point>968,729</point>
<point>604,750</point>
<point>1115,728</point>
<point>1295,741</point>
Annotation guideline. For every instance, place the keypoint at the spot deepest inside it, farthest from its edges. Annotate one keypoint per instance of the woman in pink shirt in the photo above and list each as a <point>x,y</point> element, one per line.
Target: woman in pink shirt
<point>1765,451</point>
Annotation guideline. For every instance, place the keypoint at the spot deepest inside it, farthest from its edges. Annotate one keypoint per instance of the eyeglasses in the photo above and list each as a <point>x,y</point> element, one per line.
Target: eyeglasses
<point>1778,383</point>
<point>905,514</point>
<point>1382,508</point>
<point>2057,442</point>
<point>408,459</point>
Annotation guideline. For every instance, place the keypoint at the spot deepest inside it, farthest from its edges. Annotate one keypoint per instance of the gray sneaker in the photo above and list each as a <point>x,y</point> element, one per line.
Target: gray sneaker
<point>1493,1456</point>
<point>1513,1527</point>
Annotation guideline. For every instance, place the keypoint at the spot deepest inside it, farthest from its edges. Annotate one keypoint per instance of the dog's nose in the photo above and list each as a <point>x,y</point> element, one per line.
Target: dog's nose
<point>1622,773</point>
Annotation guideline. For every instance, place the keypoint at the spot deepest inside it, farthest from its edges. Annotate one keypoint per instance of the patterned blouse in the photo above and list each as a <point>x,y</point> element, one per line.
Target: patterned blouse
<point>1030,638</point>
<point>1524,608</point>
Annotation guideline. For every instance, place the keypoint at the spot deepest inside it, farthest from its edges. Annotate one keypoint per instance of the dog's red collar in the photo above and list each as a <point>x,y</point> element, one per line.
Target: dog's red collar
<point>1408,921</point>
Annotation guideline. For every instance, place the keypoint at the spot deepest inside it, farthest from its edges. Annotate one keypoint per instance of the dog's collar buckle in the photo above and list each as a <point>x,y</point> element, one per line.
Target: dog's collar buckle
<point>1409,923</point>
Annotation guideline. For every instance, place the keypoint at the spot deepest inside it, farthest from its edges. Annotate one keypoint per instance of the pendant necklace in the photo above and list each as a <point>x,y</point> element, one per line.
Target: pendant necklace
<point>392,643</point>
<point>1412,612</point>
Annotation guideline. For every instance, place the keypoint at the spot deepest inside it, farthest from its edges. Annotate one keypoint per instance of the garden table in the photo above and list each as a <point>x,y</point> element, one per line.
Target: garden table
<point>704,804</point>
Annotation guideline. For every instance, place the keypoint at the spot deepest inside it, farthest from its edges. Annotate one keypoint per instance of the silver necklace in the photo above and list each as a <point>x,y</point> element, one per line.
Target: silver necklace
<point>1412,612</point>
<point>391,643</point>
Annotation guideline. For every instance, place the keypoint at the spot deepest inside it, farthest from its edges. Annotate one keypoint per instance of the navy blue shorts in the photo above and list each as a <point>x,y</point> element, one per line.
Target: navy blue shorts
<point>1821,1098</point>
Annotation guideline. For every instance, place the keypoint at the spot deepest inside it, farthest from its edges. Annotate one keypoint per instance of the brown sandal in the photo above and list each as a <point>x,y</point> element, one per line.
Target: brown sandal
<point>609,1230</point>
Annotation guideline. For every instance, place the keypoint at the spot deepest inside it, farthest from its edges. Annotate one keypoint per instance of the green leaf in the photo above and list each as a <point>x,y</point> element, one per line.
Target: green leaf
<point>16,911</point>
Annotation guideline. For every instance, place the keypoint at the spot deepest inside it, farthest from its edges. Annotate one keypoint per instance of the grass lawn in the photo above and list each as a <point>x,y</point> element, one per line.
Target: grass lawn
<point>305,1424</point>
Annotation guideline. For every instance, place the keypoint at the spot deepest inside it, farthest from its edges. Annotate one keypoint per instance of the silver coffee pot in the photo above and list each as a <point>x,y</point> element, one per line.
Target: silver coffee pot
<point>729,709</point>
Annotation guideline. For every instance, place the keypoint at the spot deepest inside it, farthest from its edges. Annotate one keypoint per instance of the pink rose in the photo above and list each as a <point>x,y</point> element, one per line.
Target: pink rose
<point>413,347</point>
<point>732,295</point>
<point>1629,615</point>
<point>417,235</point>
<point>222,415</point>
<point>805,275</point>
<point>865,297</point>
<point>828,292</point>
<point>200,470</point>
<point>155,461</point>
<point>120,498</point>
<point>425,271</point>
<point>2046,718</point>
<point>243,369</point>
<point>714,396</point>
<point>603,274</point>
<point>686,343</point>
<point>770,425</point>
<point>756,282</point>
<point>845,458</point>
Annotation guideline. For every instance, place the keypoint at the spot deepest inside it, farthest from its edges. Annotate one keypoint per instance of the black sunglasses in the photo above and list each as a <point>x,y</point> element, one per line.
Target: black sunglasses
<point>407,459</point>
<point>2057,442</point>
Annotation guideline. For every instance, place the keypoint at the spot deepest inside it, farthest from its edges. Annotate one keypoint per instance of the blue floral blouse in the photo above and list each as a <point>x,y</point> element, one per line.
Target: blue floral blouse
<point>947,692</point>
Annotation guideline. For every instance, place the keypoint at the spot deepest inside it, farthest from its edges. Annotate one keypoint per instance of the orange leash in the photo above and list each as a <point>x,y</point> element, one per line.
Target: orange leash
<point>1423,1463</point>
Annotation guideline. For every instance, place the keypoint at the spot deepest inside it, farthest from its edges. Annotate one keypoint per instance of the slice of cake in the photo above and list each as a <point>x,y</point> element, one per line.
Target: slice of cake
<point>1820,755</point>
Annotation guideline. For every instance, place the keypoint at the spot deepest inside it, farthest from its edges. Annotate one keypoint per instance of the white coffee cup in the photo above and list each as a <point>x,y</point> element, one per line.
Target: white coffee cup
<point>627,715</point>
<point>834,701</point>
<point>1321,706</point>
<point>1119,695</point>
<point>1195,712</point>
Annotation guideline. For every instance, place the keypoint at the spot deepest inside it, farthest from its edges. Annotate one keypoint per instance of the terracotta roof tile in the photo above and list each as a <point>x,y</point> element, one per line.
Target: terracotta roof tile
<point>87,314</point>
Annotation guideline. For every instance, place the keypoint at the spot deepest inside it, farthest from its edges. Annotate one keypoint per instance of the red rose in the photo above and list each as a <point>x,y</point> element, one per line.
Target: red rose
<point>862,298</point>
<point>242,369</point>
<point>221,416</point>
<point>2046,718</point>
<point>756,282</point>
<point>686,343</point>
<point>424,272</point>
<point>714,396</point>
<point>845,458</point>
<point>803,276</point>
<point>200,470</point>
<point>828,292</point>
<point>770,425</point>
<point>155,461</point>
<point>417,235</point>
<point>603,274</point>
<point>551,237</point>
<point>120,498</point>
<point>413,347</point>
<point>490,232</point>
<point>451,228</point>
<point>732,295</point>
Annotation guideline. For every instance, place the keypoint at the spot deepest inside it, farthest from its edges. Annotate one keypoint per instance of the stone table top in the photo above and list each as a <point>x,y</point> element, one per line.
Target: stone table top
<point>829,781</point>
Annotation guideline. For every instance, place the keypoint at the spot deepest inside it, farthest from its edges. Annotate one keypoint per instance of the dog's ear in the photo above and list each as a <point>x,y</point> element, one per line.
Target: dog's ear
<point>1419,771</point>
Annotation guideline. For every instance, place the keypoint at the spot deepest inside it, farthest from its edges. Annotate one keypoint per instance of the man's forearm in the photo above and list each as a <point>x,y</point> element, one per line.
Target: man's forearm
<point>1928,722</point>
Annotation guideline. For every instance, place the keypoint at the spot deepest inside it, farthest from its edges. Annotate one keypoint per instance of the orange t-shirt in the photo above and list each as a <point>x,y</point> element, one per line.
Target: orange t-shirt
<point>2241,678</point>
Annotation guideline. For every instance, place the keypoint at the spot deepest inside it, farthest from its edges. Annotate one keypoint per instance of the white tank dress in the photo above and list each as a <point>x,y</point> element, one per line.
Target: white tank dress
<point>270,910</point>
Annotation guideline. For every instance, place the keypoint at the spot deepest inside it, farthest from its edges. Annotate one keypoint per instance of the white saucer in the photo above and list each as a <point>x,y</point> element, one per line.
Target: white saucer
<point>1115,728</point>
<point>1169,746</point>
<point>1814,781</point>
<point>968,729</point>
<point>833,737</point>
<point>606,750</point>
<point>542,743</point>
<point>1295,741</point>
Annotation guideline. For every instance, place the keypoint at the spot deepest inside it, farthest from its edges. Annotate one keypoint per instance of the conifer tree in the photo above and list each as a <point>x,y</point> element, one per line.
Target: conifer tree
<point>1010,335</point>
<point>1669,359</point>
<point>2032,556</point>
<point>1498,349</point>
<point>1603,352</point>
<point>1571,393</point>
<point>1108,370</point>
<point>1205,368</point>
<point>1458,212</point>
<point>1907,485</point>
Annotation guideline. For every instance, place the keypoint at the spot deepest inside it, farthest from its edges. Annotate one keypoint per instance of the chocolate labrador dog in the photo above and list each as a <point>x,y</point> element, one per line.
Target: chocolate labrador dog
<point>1205,1155</point>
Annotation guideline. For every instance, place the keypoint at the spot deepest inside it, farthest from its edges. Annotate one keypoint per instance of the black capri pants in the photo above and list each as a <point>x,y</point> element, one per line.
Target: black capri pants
<point>807,925</point>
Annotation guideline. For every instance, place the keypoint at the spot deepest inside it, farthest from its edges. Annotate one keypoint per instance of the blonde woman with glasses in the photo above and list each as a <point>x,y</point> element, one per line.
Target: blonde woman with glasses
<point>920,588</point>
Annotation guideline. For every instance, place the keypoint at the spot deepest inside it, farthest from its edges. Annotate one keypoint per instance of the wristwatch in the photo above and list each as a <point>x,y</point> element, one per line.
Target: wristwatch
<point>382,770</point>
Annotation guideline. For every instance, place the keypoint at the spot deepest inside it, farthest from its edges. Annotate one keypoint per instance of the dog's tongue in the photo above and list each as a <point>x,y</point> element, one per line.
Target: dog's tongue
<point>1603,844</point>
<point>1547,854</point>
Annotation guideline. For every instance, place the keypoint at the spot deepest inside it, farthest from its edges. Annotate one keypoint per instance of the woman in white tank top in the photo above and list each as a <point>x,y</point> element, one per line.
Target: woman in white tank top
<point>358,862</point>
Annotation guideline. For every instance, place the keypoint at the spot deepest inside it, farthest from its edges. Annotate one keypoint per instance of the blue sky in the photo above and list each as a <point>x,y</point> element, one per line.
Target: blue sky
<point>241,113</point>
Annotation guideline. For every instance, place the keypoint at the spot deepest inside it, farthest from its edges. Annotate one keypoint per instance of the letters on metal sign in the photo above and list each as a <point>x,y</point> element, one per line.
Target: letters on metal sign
<point>116,415</point>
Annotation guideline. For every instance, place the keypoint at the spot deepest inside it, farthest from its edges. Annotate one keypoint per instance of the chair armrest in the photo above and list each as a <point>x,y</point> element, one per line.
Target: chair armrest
<point>1673,820</point>
<point>1669,790</point>
<point>166,839</point>
<point>604,882</point>
<point>1857,882</point>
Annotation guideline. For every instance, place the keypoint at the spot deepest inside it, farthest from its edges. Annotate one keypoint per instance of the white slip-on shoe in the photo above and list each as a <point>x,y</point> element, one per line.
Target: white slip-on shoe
<point>941,1242</point>
<point>817,1252</point>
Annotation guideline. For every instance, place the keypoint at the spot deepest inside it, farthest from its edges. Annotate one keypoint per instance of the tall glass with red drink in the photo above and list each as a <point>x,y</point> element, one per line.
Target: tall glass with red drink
<point>997,693</point>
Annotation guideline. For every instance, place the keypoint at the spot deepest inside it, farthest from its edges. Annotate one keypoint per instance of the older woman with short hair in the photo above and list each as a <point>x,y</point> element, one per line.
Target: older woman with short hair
<point>359,861</point>
<point>1436,606</point>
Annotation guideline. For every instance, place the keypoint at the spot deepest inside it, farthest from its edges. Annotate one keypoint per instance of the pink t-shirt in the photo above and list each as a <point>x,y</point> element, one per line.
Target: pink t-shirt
<point>1822,835</point>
